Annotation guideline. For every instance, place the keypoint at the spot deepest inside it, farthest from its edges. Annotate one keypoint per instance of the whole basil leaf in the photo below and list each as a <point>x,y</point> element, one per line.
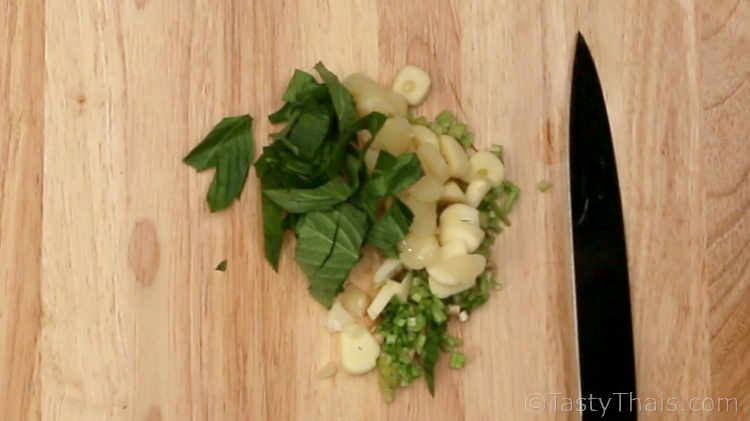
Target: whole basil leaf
<point>230,148</point>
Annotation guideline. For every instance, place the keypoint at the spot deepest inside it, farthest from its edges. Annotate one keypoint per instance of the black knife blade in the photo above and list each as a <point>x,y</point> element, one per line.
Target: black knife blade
<point>605,329</point>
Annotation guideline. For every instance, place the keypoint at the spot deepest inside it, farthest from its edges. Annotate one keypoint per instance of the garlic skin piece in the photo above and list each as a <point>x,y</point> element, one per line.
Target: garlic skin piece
<point>455,156</point>
<point>417,251</point>
<point>371,159</point>
<point>327,371</point>
<point>458,270</point>
<point>359,350</point>
<point>452,193</point>
<point>485,165</point>
<point>413,83</point>
<point>394,136</point>
<point>476,191</point>
<point>338,318</point>
<point>422,135</point>
<point>432,162</point>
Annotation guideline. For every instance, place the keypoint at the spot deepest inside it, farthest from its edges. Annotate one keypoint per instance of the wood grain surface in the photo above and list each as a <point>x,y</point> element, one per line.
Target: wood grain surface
<point>109,305</point>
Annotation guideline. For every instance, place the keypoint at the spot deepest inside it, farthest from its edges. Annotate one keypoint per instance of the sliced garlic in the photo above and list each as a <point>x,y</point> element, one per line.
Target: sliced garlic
<point>417,251</point>
<point>389,290</point>
<point>387,270</point>
<point>485,165</point>
<point>471,235</point>
<point>422,135</point>
<point>460,212</point>
<point>452,193</point>
<point>432,162</point>
<point>403,294</point>
<point>458,270</point>
<point>425,216</point>
<point>426,189</point>
<point>453,249</point>
<point>443,291</point>
<point>359,350</point>
<point>369,97</point>
<point>455,156</point>
<point>394,136</point>
<point>476,191</point>
<point>413,83</point>
<point>338,318</point>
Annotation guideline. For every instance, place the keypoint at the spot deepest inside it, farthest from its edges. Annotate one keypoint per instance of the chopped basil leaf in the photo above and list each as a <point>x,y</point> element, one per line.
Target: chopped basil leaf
<point>306,200</point>
<point>391,228</point>
<point>342,100</point>
<point>328,245</point>
<point>222,266</point>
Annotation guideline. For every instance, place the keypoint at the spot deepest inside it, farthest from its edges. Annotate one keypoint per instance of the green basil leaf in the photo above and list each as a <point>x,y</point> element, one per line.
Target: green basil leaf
<point>222,266</point>
<point>342,100</point>
<point>391,176</point>
<point>391,228</point>
<point>282,114</point>
<point>309,131</point>
<point>230,148</point>
<point>301,84</point>
<point>323,197</point>
<point>371,122</point>
<point>328,247</point>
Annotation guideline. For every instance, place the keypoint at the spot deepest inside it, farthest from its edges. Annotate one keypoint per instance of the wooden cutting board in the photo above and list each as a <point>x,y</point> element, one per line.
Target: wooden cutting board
<point>109,305</point>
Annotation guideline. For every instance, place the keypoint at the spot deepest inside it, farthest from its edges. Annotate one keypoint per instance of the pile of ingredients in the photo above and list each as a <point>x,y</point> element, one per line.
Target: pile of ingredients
<point>350,168</point>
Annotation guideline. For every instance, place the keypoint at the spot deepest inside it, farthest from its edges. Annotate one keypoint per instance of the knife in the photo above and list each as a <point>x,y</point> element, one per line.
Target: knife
<point>604,325</point>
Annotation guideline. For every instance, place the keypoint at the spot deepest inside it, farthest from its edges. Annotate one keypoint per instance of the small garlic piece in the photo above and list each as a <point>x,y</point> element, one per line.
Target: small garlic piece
<point>452,193</point>
<point>417,251</point>
<point>463,316</point>
<point>455,156</point>
<point>476,191</point>
<point>359,350</point>
<point>444,291</point>
<point>387,270</point>
<point>413,83</point>
<point>471,235</point>
<point>394,136</point>
<point>427,189</point>
<point>422,135</point>
<point>369,97</point>
<point>460,212</point>
<point>432,162</point>
<point>425,216</point>
<point>458,270</point>
<point>453,249</point>
<point>485,165</point>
